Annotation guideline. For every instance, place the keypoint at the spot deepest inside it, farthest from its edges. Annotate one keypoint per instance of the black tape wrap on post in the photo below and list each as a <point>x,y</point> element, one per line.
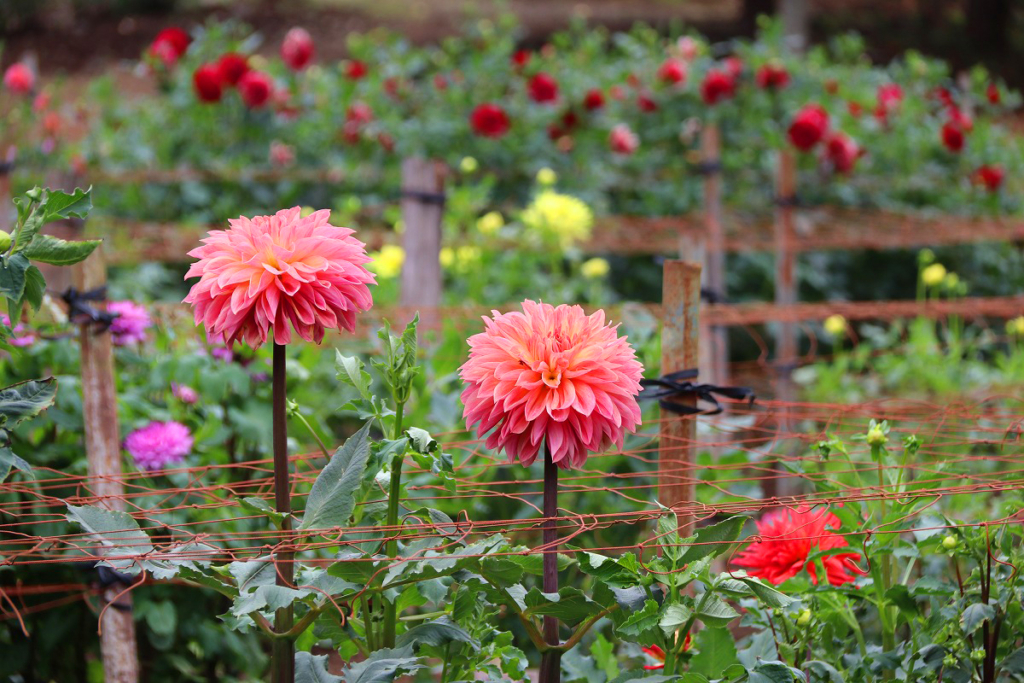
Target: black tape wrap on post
<point>709,167</point>
<point>437,198</point>
<point>677,384</point>
<point>791,202</point>
<point>6,167</point>
<point>81,311</point>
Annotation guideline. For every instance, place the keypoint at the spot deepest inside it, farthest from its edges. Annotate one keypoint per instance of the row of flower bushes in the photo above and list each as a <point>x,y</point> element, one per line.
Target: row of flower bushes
<point>616,115</point>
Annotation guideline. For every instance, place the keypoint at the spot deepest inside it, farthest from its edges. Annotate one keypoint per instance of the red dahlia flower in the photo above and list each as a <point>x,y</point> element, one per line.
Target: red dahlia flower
<point>673,71</point>
<point>623,140</point>
<point>842,151</point>
<point>772,77</point>
<point>356,69</point>
<point>788,538</point>
<point>207,83</point>
<point>991,176</point>
<point>953,136</point>
<point>255,87</point>
<point>232,67</point>
<point>19,79</point>
<point>543,88</point>
<point>489,120</point>
<point>717,86</point>
<point>808,127</point>
<point>593,100</point>
<point>520,58</point>
<point>993,94</point>
<point>551,376</point>
<point>170,44</point>
<point>659,654</point>
<point>297,49</point>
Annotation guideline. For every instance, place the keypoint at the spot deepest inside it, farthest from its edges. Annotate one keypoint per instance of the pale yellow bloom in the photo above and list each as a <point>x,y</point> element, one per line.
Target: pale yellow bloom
<point>595,268</point>
<point>951,281</point>
<point>547,177</point>
<point>934,274</point>
<point>558,218</point>
<point>387,262</point>
<point>461,259</point>
<point>446,257</point>
<point>490,223</point>
<point>835,325</point>
<point>1015,327</point>
<point>468,165</point>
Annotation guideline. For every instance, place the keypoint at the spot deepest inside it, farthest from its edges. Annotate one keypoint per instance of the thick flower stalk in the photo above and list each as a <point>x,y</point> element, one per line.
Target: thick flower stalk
<point>285,272</point>
<point>558,378</point>
<point>789,537</point>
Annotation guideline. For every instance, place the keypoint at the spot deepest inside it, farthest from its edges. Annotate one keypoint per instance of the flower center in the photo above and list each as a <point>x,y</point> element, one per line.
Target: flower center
<point>551,377</point>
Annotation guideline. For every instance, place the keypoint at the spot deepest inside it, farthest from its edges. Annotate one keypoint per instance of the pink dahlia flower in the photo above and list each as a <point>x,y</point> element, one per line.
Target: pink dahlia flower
<point>131,323</point>
<point>20,335</point>
<point>158,445</point>
<point>283,271</point>
<point>19,79</point>
<point>184,393</point>
<point>788,538</point>
<point>551,375</point>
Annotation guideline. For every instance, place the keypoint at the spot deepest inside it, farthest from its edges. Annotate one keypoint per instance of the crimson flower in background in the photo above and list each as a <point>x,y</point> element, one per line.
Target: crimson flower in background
<point>717,86</point>
<point>255,87</point>
<point>733,66</point>
<point>520,58</point>
<point>206,80</point>
<point>232,67</point>
<point>356,69</point>
<point>659,654</point>
<point>19,79</point>
<point>489,120</point>
<point>672,71</point>
<point>788,538</point>
<point>842,151</point>
<point>282,271</point>
<point>993,94</point>
<point>593,100</point>
<point>771,77</point>
<point>170,44</point>
<point>646,103</point>
<point>551,376</point>
<point>991,176</point>
<point>623,140</point>
<point>808,127</point>
<point>543,88</point>
<point>953,136</point>
<point>297,48</point>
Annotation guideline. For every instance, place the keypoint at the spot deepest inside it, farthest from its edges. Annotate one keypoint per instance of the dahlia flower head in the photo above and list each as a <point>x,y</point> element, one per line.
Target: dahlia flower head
<point>131,323</point>
<point>551,375</point>
<point>788,538</point>
<point>558,218</point>
<point>158,445</point>
<point>283,271</point>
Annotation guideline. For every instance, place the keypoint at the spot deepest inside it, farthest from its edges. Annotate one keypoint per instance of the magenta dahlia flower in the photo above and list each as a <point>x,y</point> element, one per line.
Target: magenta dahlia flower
<point>551,375</point>
<point>158,445</point>
<point>282,271</point>
<point>131,323</point>
<point>21,335</point>
<point>184,393</point>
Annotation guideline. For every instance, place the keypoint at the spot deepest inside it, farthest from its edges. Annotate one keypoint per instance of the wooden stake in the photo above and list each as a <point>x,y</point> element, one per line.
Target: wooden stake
<point>103,451</point>
<point>422,211</point>
<point>714,263</point>
<point>679,351</point>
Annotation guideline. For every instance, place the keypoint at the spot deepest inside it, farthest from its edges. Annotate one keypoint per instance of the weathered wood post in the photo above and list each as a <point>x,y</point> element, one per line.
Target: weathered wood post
<point>679,351</point>
<point>103,452</point>
<point>422,212</point>
<point>717,342</point>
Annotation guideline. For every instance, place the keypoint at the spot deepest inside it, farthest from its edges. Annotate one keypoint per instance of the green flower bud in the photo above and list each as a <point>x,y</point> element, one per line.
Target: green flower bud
<point>949,542</point>
<point>803,618</point>
<point>5,240</point>
<point>949,661</point>
<point>978,655</point>
<point>876,437</point>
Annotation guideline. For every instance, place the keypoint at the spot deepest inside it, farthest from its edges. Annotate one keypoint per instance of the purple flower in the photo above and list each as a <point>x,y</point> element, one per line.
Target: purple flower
<point>20,335</point>
<point>159,444</point>
<point>130,326</point>
<point>184,393</point>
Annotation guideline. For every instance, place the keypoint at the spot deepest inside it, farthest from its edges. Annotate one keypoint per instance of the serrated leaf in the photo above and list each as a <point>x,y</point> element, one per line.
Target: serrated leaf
<point>35,289</point>
<point>58,204</point>
<point>824,671</point>
<point>116,531</point>
<point>975,615</point>
<point>642,625</point>
<point>673,617</point>
<point>350,370</point>
<point>24,400</point>
<point>569,605</point>
<point>59,252</point>
<point>713,540</point>
<point>9,460</point>
<point>12,276</point>
<point>420,440</point>
<point>383,666</point>
<point>261,507</point>
<point>771,672</point>
<point>331,499</point>
<point>253,573</point>
<point>714,611</point>
<point>436,633</point>
<point>716,650</point>
<point>266,599</point>
<point>310,668</point>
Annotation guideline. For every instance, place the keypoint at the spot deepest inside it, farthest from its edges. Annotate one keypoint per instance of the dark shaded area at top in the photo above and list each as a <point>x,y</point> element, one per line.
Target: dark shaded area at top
<point>85,35</point>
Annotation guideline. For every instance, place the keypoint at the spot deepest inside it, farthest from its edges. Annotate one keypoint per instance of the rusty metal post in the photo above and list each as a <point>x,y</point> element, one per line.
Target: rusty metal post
<point>103,452</point>
<point>717,341</point>
<point>679,351</point>
<point>422,212</point>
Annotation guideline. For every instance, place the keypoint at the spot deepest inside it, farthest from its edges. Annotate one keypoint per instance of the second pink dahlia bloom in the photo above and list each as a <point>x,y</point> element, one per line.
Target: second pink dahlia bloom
<point>553,375</point>
<point>282,271</point>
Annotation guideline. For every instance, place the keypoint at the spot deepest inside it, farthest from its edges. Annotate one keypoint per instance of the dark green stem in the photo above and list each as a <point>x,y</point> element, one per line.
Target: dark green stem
<point>391,547</point>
